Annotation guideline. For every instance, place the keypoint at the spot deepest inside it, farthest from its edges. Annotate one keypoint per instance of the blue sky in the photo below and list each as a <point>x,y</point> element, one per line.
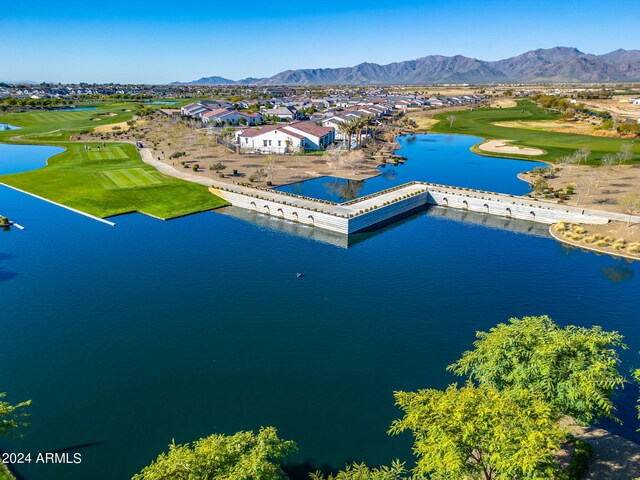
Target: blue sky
<point>159,42</point>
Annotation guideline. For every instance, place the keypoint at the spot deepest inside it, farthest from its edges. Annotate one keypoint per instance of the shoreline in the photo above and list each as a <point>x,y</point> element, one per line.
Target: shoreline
<point>588,247</point>
<point>93,217</point>
<point>147,157</point>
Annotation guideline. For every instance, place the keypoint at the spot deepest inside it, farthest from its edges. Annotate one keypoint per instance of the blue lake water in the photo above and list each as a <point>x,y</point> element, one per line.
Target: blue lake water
<point>160,103</point>
<point>127,337</point>
<point>22,158</point>
<point>77,109</point>
<point>435,158</point>
<point>6,126</point>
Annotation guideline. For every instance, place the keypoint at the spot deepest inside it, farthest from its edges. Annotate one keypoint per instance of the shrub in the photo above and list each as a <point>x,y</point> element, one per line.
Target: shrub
<point>634,247</point>
<point>580,459</point>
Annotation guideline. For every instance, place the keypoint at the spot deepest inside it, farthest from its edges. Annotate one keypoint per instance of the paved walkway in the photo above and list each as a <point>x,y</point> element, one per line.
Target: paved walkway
<point>276,196</point>
<point>614,458</point>
<point>621,217</point>
<point>352,208</point>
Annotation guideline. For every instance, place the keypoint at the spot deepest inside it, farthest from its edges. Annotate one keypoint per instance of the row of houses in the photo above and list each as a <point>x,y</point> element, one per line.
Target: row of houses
<point>334,120</point>
<point>220,113</point>
<point>294,108</point>
<point>321,129</point>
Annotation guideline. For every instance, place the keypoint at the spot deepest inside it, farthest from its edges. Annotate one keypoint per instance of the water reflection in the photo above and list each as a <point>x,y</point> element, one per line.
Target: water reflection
<point>617,273</point>
<point>6,275</point>
<point>345,189</point>
<point>445,159</point>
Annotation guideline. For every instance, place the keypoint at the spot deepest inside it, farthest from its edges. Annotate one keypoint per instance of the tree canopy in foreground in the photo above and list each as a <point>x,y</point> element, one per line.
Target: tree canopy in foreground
<point>360,471</point>
<point>636,374</point>
<point>480,433</point>
<point>11,416</point>
<point>242,456</point>
<point>574,369</point>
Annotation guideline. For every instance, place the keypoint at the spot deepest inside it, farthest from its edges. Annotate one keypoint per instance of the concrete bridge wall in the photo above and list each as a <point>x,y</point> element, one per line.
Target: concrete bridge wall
<point>371,210</point>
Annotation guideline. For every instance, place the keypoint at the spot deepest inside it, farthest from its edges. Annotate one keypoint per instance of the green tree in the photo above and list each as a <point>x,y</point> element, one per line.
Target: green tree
<point>636,375</point>
<point>242,456</point>
<point>347,128</point>
<point>359,471</point>
<point>217,167</point>
<point>480,433</point>
<point>258,175</point>
<point>574,369</point>
<point>539,185</point>
<point>11,416</point>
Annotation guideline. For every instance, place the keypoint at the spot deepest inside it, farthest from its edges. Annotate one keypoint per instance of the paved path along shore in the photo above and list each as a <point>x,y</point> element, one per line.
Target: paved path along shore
<point>614,458</point>
<point>353,208</point>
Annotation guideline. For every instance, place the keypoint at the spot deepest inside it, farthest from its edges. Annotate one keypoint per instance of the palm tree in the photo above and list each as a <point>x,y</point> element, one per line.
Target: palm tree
<point>362,124</point>
<point>347,127</point>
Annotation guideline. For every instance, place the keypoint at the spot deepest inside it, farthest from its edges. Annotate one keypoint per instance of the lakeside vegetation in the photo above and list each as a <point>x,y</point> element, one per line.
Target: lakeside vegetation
<point>522,378</point>
<point>481,122</point>
<point>11,419</point>
<point>101,181</point>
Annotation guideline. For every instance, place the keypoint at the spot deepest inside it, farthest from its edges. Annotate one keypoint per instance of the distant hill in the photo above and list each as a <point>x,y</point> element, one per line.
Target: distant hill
<point>208,81</point>
<point>559,64</point>
<point>19,82</point>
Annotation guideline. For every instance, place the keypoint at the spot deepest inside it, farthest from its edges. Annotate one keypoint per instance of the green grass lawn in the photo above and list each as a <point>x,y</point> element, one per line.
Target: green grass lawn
<point>480,122</point>
<point>59,126</point>
<point>103,182</point>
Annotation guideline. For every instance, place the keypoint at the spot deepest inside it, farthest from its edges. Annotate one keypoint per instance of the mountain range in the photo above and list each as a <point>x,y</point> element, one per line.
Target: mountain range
<point>552,65</point>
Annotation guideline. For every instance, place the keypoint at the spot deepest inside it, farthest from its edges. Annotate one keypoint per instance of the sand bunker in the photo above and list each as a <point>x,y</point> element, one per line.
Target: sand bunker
<point>504,103</point>
<point>123,126</point>
<point>502,146</point>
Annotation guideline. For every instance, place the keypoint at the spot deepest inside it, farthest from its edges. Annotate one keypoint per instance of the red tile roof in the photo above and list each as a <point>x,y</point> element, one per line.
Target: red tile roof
<point>254,132</point>
<point>216,112</point>
<point>309,128</point>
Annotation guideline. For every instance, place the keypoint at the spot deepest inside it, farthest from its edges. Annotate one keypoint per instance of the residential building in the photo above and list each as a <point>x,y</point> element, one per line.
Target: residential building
<point>291,138</point>
<point>281,113</point>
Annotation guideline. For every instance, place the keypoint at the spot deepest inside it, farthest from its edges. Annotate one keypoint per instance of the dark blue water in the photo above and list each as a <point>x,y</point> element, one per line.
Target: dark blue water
<point>127,337</point>
<point>435,158</point>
